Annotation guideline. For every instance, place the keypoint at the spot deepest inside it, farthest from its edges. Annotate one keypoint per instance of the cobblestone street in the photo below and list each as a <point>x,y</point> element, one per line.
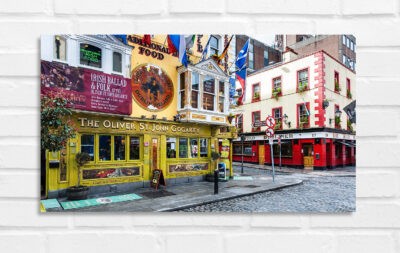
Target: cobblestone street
<point>318,193</point>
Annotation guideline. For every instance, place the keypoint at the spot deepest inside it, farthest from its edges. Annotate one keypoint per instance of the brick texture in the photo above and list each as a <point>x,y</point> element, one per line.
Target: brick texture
<point>374,227</point>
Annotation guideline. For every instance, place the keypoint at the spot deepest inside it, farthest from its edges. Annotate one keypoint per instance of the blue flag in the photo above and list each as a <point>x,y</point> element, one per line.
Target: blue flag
<point>242,56</point>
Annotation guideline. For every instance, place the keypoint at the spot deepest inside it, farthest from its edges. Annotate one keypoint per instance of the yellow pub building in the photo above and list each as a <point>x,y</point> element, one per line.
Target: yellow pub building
<point>137,109</point>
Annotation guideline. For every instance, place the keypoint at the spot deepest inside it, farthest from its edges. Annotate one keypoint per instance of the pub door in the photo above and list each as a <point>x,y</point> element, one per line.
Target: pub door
<point>154,154</point>
<point>308,156</point>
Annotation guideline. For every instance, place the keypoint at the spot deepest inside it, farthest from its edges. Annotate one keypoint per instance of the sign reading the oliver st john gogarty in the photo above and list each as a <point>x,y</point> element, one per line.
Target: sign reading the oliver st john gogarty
<point>152,88</point>
<point>87,89</point>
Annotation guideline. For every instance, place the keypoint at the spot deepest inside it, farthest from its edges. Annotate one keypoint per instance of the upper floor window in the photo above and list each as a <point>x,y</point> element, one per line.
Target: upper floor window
<point>344,40</point>
<point>90,55</point>
<point>60,48</point>
<point>266,60</point>
<point>277,86</point>
<point>348,88</point>
<point>302,77</point>
<point>251,55</point>
<point>256,117</point>
<point>336,82</point>
<point>195,90</point>
<point>182,90</point>
<point>277,114</point>
<point>256,92</point>
<point>337,118</point>
<point>214,45</point>
<point>240,123</point>
<point>117,62</point>
<point>303,115</point>
<point>208,93</point>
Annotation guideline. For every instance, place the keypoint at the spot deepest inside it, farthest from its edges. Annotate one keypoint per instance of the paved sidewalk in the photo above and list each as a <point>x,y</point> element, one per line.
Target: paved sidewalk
<point>186,195</point>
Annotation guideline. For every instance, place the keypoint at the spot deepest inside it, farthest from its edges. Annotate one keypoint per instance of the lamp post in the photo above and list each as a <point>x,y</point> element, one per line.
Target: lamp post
<point>242,138</point>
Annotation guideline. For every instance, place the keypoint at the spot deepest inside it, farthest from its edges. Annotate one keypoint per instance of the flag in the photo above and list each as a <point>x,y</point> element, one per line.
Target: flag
<point>222,56</point>
<point>242,56</point>
<point>241,77</point>
<point>147,39</point>
<point>205,50</point>
<point>190,41</point>
<point>350,110</point>
<point>122,38</point>
<point>177,43</point>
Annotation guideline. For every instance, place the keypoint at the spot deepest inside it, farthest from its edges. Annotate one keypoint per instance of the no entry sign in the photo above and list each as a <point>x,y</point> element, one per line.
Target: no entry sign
<point>269,132</point>
<point>270,122</point>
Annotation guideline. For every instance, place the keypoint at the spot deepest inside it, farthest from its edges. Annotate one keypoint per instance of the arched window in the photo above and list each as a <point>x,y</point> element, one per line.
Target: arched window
<point>60,48</point>
<point>90,55</point>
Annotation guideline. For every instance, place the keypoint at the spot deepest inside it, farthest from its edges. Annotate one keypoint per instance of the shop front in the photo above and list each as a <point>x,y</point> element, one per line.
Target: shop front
<point>125,151</point>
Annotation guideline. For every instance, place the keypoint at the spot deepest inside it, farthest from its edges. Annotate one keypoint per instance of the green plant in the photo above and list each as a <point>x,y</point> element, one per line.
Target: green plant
<point>215,156</point>
<point>278,125</point>
<point>256,95</point>
<point>276,93</point>
<point>349,126</point>
<point>56,126</point>
<point>302,86</point>
<point>348,94</point>
<point>337,121</point>
<point>337,86</point>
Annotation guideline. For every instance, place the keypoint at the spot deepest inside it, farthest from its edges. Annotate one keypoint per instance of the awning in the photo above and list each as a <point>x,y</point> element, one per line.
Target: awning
<point>347,143</point>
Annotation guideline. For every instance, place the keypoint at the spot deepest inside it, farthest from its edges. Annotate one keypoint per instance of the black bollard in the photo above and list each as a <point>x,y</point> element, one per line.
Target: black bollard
<point>215,181</point>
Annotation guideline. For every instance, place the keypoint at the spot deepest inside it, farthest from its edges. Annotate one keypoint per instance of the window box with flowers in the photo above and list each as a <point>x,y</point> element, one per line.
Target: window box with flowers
<point>303,86</point>
<point>337,87</point>
<point>256,96</point>
<point>277,92</point>
<point>278,125</point>
<point>348,94</point>
<point>337,122</point>
<point>304,121</point>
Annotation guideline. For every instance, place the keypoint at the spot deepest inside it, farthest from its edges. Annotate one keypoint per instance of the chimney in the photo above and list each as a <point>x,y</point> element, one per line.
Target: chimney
<point>289,55</point>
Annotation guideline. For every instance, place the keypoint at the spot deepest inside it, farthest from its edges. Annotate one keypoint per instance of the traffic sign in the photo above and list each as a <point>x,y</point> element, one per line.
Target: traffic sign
<point>269,132</point>
<point>259,123</point>
<point>270,122</point>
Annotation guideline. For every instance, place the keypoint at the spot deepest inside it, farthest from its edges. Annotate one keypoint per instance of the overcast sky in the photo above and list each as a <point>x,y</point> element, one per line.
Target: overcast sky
<point>266,38</point>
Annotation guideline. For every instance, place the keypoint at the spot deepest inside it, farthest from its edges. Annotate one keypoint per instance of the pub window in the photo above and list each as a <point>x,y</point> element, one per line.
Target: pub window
<point>214,45</point>
<point>208,93</point>
<point>338,150</point>
<point>303,113</point>
<point>105,147</point>
<point>286,149</point>
<point>195,90</point>
<point>117,62</point>
<point>194,148</point>
<point>183,148</point>
<point>182,90</point>
<point>247,148</point>
<point>60,48</point>
<point>171,147</point>
<point>87,145</point>
<point>221,96</point>
<point>134,148</point>
<point>203,147</point>
<point>90,55</point>
<point>119,147</point>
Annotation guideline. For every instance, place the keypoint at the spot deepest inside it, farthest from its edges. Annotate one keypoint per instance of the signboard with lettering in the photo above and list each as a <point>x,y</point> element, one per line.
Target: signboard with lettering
<point>209,85</point>
<point>157,178</point>
<point>87,89</point>
<point>152,88</point>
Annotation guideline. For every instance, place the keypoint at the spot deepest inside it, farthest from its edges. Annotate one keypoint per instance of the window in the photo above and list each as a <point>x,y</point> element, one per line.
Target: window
<point>277,114</point>
<point>266,61</point>
<point>247,148</point>
<point>348,42</point>
<point>171,147</point>
<point>240,123</point>
<point>256,118</point>
<point>90,55</point>
<point>60,48</point>
<point>251,55</point>
<point>348,88</point>
<point>336,82</point>
<point>221,98</point>
<point>208,93</point>
<point>337,119</point>
<point>256,92</point>
<point>286,149</point>
<point>344,60</point>
<point>87,145</point>
<point>105,147</point>
<point>195,90</point>
<point>183,148</point>
<point>119,147</point>
<point>134,148</point>
<point>344,40</point>
<point>117,62</point>
<point>276,86</point>
<point>182,90</point>
<point>203,147</point>
<point>194,148</point>
<point>303,112</point>
<point>302,77</point>
<point>352,45</point>
<point>338,150</point>
<point>214,45</point>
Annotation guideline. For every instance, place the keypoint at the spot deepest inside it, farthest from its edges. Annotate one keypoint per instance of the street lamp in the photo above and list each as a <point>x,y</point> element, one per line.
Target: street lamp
<point>338,113</point>
<point>242,138</point>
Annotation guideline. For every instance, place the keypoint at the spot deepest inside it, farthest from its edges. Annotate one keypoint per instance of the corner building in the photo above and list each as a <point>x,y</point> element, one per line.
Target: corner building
<point>172,116</point>
<point>303,95</point>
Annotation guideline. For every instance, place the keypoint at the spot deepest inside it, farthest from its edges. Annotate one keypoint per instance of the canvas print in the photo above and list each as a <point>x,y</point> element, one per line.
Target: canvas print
<point>198,123</point>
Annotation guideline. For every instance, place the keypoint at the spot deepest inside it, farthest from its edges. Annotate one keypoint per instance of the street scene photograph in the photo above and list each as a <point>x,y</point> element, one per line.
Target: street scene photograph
<point>198,123</point>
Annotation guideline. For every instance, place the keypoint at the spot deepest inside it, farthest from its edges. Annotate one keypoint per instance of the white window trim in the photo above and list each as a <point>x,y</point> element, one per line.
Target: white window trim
<point>112,59</point>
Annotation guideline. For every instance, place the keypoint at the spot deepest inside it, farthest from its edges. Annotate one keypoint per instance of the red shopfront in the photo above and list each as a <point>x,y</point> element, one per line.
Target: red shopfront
<point>314,150</point>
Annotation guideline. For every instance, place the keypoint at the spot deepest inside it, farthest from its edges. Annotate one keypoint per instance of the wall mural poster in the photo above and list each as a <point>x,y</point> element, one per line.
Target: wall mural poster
<point>187,167</point>
<point>152,87</point>
<point>87,89</point>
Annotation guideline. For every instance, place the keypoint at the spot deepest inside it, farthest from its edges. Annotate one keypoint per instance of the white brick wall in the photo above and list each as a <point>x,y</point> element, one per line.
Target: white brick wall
<point>375,227</point>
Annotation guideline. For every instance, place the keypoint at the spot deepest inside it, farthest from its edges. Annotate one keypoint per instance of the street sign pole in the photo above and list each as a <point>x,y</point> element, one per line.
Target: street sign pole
<point>271,143</point>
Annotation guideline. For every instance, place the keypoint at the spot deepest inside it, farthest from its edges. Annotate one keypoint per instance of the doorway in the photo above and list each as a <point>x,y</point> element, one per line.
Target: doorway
<point>308,156</point>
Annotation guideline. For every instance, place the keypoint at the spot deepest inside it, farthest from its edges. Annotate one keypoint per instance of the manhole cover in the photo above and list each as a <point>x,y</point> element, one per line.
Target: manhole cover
<point>156,194</point>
